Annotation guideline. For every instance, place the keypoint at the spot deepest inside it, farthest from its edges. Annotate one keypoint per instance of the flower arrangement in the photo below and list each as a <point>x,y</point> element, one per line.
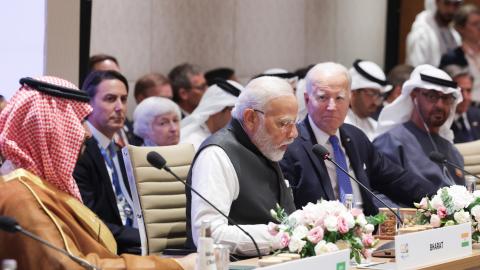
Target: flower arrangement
<point>450,206</point>
<point>325,227</point>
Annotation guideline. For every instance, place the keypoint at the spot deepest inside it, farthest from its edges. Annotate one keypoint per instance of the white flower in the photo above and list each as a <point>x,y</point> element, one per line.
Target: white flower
<point>476,193</point>
<point>349,219</point>
<point>324,247</point>
<point>369,228</point>
<point>296,244</point>
<point>461,198</point>
<point>361,220</point>
<point>296,217</point>
<point>300,232</point>
<point>461,217</point>
<point>436,201</point>
<point>476,212</point>
<point>331,223</point>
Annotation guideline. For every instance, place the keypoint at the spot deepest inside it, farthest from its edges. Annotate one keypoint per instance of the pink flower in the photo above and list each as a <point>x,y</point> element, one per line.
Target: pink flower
<point>442,211</point>
<point>367,240</point>
<point>342,225</point>
<point>424,203</point>
<point>367,253</point>
<point>356,212</point>
<point>285,240</point>
<point>315,235</point>
<point>319,222</point>
<point>435,221</point>
<point>272,228</point>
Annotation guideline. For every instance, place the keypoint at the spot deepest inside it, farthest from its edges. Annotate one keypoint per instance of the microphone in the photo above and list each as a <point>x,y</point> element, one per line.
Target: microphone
<point>323,154</point>
<point>440,158</point>
<point>10,225</point>
<point>157,161</point>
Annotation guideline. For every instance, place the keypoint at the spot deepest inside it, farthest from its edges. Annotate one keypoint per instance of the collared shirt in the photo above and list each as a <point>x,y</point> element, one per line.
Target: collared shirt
<point>368,125</point>
<point>464,120</point>
<point>103,142</point>
<point>322,139</point>
<point>217,180</point>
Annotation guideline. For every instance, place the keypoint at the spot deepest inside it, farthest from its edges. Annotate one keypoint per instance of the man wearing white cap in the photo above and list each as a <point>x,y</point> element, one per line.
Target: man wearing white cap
<point>432,35</point>
<point>368,85</point>
<point>418,123</point>
<point>212,113</point>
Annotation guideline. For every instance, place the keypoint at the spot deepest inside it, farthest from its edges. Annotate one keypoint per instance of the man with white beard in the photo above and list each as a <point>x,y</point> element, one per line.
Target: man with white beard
<point>237,168</point>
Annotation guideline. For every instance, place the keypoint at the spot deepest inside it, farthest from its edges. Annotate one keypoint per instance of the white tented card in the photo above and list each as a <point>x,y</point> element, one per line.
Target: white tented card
<point>423,248</point>
<point>338,260</point>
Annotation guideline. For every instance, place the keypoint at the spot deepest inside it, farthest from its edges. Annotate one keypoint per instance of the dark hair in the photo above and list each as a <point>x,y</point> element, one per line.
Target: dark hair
<point>218,73</point>
<point>180,78</point>
<point>94,59</point>
<point>96,77</point>
<point>302,72</point>
<point>398,75</point>
<point>461,16</point>
<point>148,81</point>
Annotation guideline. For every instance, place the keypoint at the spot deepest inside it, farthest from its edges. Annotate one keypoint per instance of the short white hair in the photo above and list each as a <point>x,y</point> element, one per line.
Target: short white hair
<point>317,73</point>
<point>259,92</point>
<point>146,112</point>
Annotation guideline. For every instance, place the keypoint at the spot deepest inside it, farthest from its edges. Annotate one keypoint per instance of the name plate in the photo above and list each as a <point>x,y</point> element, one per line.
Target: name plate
<point>338,260</point>
<point>433,246</point>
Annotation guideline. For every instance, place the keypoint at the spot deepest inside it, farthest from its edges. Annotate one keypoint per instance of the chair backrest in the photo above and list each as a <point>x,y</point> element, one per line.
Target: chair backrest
<point>159,200</point>
<point>471,155</point>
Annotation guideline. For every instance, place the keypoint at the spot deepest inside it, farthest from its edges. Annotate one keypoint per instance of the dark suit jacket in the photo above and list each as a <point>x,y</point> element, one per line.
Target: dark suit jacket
<point>97,193</point>
<point>461,134</point>
<point>454,57</point>
<point>309,178</point>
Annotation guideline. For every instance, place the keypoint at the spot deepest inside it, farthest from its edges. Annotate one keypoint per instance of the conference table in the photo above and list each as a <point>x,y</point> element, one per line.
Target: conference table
<point>467,263</point>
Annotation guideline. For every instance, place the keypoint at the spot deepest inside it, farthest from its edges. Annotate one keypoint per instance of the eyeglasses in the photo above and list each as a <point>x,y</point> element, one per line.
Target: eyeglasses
<point>201,87</point>
<point>433,96</point>
<point>285,124</point>
<point>372,93</point>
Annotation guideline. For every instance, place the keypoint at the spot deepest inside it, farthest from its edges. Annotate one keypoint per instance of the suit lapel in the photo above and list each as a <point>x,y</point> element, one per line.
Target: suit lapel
<point>308,140</point>
<point>354,158</point>
<point>94,152</point>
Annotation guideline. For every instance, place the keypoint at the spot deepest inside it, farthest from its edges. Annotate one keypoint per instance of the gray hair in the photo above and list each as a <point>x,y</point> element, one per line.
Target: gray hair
<point>259,92</point>
<point>316,74</point>
<point>146,112</point>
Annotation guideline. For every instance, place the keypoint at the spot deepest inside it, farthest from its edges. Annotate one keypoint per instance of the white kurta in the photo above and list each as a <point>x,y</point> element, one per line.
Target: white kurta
<point>214,176</point>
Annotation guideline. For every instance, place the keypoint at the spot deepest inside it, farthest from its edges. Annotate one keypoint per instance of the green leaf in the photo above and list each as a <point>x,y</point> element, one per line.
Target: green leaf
<point>377,219</point>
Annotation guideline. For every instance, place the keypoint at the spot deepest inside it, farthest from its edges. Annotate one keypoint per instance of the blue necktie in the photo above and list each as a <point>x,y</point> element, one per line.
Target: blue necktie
<point>127,209</point>
<point>343,181</point>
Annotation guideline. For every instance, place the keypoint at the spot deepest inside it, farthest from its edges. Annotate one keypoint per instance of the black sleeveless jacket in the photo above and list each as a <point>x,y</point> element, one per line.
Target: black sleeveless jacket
<point>261,181</point>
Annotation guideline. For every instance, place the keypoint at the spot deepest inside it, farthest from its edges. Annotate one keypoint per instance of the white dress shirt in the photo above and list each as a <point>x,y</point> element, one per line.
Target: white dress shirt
<point>322,139</point>
<point>214,177</point>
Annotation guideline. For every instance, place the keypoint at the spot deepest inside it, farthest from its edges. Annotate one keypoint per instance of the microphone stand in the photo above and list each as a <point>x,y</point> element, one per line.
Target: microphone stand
<point>365,188</point>
<point>85,264</point>
<point>214,207</point>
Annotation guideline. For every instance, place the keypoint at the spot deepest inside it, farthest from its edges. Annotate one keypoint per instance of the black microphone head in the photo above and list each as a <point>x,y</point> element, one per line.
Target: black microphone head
<point>156,160</point>
<point>320,151</point>
<point>8,224</point>
<point>437,157</point>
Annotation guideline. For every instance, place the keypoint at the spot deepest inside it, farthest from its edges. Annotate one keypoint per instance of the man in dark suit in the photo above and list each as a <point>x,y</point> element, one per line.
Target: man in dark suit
<point>99,172</point>
<point>327,100</point>
<point>466,124</point>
